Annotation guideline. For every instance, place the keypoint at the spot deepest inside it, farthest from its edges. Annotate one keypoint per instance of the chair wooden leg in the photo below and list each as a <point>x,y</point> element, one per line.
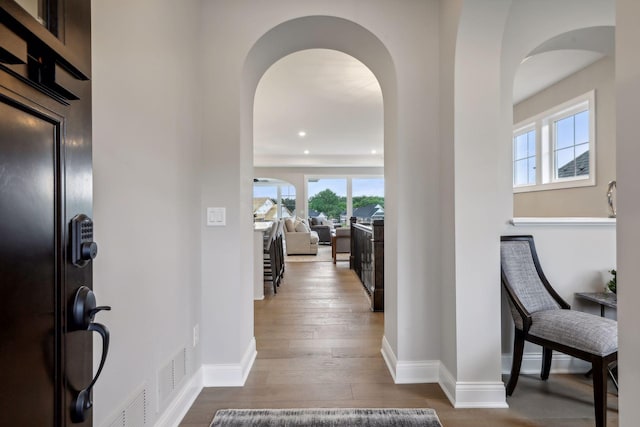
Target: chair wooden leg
<point>518,349</point>
<point>600,373</point>
<point>546,363</point>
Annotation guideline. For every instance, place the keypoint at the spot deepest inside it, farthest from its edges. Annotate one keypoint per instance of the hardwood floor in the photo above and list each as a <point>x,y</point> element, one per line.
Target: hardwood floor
<point>319,346</point>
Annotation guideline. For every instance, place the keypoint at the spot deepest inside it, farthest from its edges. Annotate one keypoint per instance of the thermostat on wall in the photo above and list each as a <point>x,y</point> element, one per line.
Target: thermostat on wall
<point>216,216</point>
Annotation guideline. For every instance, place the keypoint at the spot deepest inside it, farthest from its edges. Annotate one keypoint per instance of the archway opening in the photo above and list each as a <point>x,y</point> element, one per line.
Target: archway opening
<point>337,34</point>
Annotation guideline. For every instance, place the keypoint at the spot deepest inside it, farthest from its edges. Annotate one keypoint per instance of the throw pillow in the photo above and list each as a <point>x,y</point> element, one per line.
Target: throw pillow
<point>300,227</point>
<point>289,225</point>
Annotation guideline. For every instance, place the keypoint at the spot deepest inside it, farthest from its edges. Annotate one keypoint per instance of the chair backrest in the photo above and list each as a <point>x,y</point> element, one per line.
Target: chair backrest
<point>523,278</point>
<point>343,240</point>
<point>270,236</point>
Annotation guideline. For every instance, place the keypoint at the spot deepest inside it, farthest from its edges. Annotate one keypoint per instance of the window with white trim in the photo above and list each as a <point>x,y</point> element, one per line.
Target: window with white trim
<point>556,149</point>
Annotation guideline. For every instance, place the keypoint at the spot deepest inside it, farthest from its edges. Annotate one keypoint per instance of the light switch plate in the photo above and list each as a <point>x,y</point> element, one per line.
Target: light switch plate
<point>216,216</point>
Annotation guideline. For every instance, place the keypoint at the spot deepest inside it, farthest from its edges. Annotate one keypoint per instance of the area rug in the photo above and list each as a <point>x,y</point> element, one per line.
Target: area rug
<point>327,417</point>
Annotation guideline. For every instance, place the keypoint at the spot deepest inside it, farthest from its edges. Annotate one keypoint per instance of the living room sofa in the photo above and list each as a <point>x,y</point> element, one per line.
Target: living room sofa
<point>299,238</point>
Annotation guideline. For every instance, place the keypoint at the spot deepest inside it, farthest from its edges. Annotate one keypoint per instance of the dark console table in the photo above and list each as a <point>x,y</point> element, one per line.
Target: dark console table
<point>605,299</point>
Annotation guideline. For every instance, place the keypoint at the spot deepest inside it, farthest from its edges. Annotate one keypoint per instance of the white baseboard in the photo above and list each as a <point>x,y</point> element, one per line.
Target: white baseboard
<point>181,404</point>
<point>389,357</point>
<point>230,374</point>
<point>461,394</point>
<point>560,364</point>
<point>409,372</point>
<point>480,394</point>
<point>447,384</point>
<point>422,371</point>
<point>476,394</point>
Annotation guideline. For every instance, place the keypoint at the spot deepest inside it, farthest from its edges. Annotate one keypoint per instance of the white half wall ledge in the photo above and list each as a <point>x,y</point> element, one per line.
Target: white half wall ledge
<point>577,221</point>
<point>180,405</point>
<point>477,394</point>
<point>230,374</point>
<point>560,364</point>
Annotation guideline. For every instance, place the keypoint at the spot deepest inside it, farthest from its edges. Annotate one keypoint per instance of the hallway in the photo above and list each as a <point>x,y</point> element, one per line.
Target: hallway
<point>319,346</point>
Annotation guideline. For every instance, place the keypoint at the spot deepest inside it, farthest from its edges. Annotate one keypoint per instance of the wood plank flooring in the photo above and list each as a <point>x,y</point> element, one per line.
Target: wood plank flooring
<point>319,346</point>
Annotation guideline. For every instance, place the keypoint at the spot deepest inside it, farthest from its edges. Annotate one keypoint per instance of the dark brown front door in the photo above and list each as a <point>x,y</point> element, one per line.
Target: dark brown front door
<point>45,181</point>
<point>29,266</point>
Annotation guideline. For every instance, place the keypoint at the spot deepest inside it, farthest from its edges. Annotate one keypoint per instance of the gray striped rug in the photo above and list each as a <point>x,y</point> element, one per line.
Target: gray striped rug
<point>334,417</point>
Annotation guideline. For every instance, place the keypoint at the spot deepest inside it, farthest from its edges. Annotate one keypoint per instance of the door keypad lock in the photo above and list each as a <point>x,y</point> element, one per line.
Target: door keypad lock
<point>83,248</point>
<point>83,311</point>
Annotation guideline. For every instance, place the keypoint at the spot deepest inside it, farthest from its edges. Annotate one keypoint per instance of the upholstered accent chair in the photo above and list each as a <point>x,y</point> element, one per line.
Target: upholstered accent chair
<point>542,317</point>
<point>341,242</point>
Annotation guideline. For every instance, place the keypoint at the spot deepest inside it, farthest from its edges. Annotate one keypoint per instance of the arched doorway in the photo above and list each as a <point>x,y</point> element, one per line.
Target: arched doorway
<point>348,37</point>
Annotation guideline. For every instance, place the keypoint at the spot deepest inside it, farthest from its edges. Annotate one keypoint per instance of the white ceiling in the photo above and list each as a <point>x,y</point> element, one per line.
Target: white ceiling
<point>331,96</point>
<point>540,71</point>
<point>337,101</point>
<point>560,57</point>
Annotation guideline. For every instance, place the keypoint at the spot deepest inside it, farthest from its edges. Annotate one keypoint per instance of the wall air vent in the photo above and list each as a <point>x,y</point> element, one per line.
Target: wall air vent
<point>171,375</point>
<point>135,414</point>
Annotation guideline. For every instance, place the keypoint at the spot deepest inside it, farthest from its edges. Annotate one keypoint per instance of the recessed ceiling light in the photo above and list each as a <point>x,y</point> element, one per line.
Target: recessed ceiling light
<point>302,134</point>
<point>373,151</point>
<point>306,151</point>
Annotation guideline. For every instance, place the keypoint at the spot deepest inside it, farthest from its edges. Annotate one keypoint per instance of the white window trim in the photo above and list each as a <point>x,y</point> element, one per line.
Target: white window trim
<point>543,123</point>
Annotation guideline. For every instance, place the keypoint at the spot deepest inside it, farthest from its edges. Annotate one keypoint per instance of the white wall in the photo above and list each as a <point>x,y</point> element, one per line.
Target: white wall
<point>145,145</point>
<point>584,201</point>
<point>409,80</point>
<point>479,214</point>
<point>449,18</point>
<point>492,38</point>
<point>628,94</point>
<point>147,133</point>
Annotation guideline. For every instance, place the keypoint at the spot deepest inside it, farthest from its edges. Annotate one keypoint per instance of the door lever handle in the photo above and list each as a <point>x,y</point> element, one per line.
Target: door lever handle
<point>83,401</point>
<point>83,311</point>
<point>84,308</point>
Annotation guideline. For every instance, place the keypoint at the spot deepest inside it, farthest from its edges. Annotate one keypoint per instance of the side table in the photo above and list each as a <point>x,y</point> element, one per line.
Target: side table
<point>605,299</point>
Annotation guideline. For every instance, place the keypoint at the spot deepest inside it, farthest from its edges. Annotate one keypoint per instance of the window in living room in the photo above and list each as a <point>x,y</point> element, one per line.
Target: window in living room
<point>327,197</point>
<point>367,197</point>
<point>340,198</point>
<point>555,149</point>
<point>273,199</point>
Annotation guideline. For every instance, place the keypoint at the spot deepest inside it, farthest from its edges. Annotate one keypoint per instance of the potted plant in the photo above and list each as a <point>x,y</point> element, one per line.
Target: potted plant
<point>612,284</point>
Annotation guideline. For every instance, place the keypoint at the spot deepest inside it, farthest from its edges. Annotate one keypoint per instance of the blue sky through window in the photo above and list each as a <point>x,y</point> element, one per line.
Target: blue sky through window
<point>359,186</point>
<point>367,187</point>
